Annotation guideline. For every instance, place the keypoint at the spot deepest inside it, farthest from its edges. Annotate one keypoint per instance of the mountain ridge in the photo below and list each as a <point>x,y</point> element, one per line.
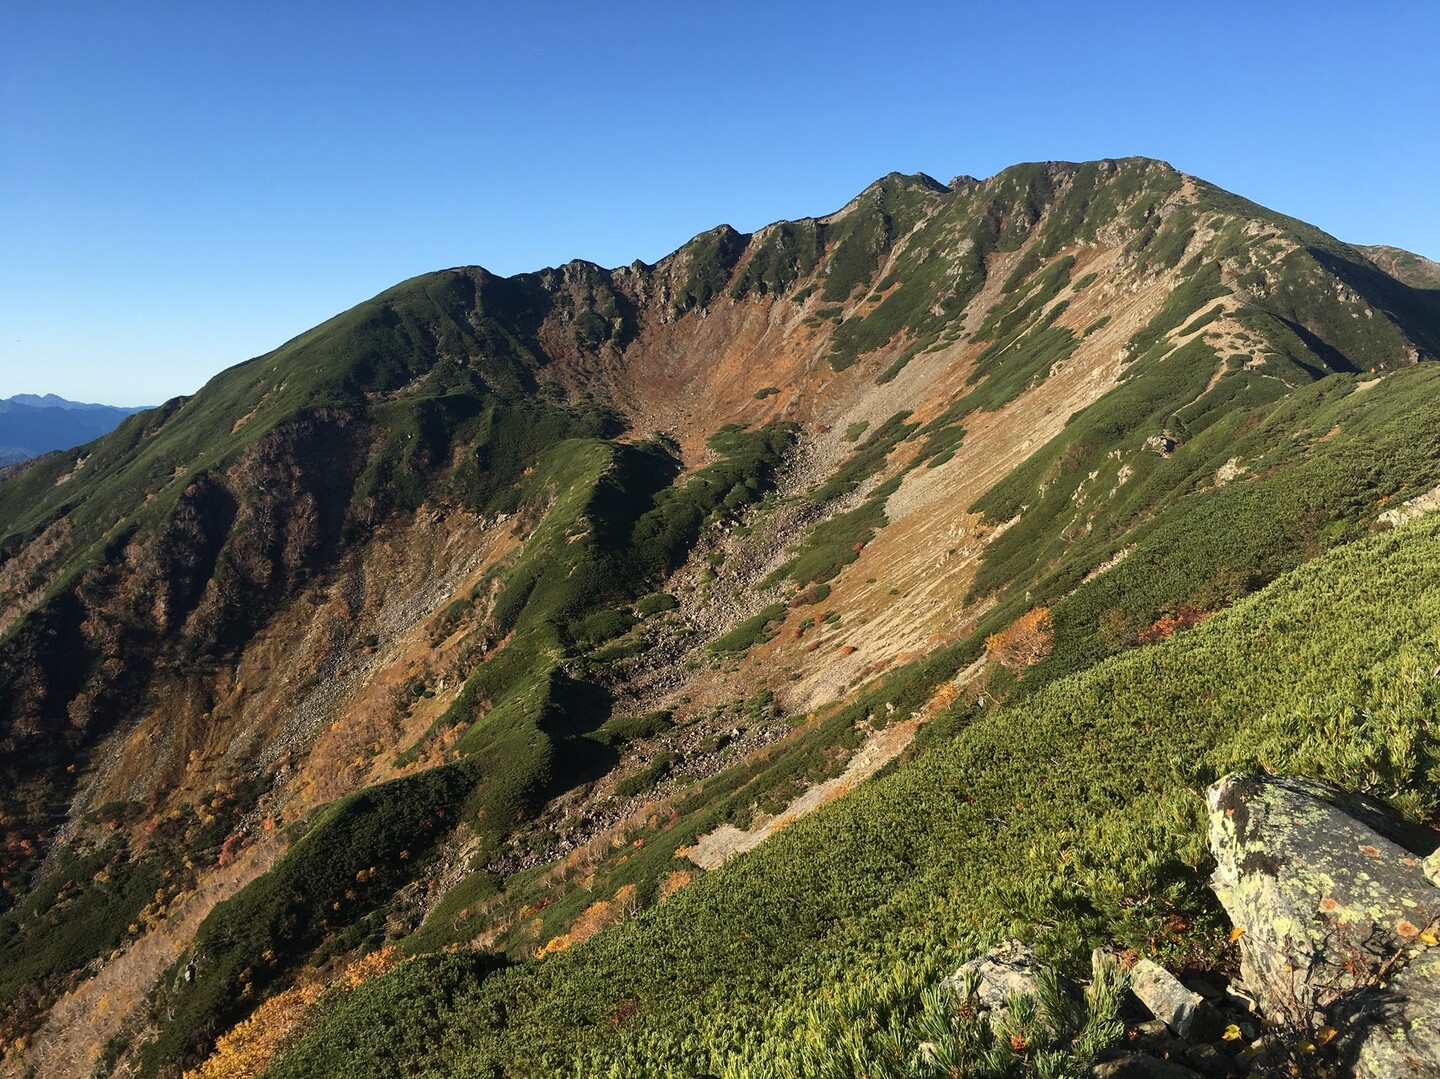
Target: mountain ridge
<point>532,553</point>
<point>1413,269</point>
<point>52,400</point>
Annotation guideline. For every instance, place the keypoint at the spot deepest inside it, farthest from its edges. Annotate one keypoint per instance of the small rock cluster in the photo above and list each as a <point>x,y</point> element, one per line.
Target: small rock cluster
<point>1198,1027</point>
<point>1335,902</point>
<point>1174,1030</point>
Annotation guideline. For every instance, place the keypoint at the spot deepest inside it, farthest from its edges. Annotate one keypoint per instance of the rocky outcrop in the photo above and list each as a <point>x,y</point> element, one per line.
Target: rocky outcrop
<point>1408,510</point>
<point>1338,919</point>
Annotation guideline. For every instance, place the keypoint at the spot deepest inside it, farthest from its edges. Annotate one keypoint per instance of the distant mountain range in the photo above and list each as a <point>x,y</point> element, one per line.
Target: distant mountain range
<point>31,425</point>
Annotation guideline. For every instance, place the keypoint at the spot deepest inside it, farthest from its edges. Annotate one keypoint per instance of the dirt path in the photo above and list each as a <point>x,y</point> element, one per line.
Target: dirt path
<point>879,749</point>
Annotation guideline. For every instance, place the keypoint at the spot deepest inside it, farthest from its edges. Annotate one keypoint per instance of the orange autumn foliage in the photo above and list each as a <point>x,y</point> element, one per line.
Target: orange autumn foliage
<point>945,694</point>
<point>1168,624</point>
<point>597,916</point>
<point>248,1047</point>
<point>1025,641</point>
<point>673,882</point>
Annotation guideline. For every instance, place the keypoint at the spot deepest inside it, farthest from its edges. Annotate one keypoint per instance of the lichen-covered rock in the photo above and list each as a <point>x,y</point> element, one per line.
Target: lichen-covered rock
<point>1338,916</point>
<point>1009,968</point>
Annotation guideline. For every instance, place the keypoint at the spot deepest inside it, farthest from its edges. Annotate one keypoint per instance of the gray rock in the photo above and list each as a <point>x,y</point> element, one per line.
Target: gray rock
<point>1431,866</point>
<point>1167,999</point>
<point>1164,445</point>
<point>1008,968</point>
<point>1237,1000</point>
<point>1335,904</point>
<point>1397,1024</point>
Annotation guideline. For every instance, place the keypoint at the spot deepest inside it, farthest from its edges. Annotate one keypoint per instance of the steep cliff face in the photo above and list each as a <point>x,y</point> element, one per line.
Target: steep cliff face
<point>475,571</point>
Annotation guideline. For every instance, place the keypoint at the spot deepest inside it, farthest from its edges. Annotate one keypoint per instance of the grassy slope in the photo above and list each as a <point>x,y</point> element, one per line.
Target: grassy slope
<point>1318,466</point>
<point>425,393</point>
<point>939,239</point>
<point>376,347</point>
<point>318,431</point>
<point>1149,401</point>
<point>1023,823</point>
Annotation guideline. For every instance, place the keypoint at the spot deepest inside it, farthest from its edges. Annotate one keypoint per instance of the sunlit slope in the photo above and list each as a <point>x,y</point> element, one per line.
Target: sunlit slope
<point>1071,819</point>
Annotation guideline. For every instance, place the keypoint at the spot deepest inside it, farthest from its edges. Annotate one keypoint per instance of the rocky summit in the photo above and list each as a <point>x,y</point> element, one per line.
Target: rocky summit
<point>686,669</point>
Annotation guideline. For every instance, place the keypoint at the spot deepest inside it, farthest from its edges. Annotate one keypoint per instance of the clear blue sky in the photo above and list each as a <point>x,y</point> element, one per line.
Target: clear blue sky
<point>186,185</point>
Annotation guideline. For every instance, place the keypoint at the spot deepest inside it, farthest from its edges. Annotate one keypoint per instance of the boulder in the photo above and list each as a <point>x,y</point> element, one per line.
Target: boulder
<point>1338,915</point>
